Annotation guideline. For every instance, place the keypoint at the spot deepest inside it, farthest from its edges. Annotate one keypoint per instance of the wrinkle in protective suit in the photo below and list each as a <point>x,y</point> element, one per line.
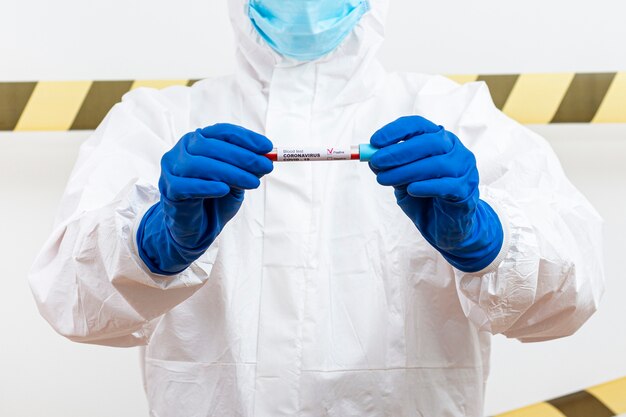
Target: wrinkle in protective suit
<point>320,298</point>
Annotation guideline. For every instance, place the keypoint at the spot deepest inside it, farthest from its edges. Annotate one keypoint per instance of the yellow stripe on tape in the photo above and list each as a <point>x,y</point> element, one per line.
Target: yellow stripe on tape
<point>613,108</point>
<point>535,98</point>
<point>537,410</point>
<point>53,105</point>
<point>463,79</point>
<point>612,394</point>
<point>158,84</point>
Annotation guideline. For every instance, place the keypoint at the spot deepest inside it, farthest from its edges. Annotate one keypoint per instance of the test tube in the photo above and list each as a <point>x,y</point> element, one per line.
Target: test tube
<point>363,153</point>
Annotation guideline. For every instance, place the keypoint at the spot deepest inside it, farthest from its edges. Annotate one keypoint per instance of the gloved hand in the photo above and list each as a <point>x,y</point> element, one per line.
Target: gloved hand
<point>436,185</point>
<point>202,185</point>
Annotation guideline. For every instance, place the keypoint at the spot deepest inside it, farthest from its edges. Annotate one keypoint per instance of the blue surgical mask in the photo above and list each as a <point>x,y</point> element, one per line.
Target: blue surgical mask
<point>305,29</point>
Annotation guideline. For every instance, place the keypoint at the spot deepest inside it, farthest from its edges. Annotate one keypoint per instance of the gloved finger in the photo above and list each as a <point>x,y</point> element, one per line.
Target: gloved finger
<point>403,129</point>
<point>401,194</point>
<point>452,189</point>
<point>429,168</point>
<point>231,154</point>
<point>373,168</point>
<point>429,144</point>
<point>236,194</point>
<point>178,189</point>
<point>213,170</point>
<point>239,136</point>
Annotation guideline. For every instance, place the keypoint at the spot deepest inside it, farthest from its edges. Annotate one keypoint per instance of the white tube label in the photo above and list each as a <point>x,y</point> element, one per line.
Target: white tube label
<point>313,154</point>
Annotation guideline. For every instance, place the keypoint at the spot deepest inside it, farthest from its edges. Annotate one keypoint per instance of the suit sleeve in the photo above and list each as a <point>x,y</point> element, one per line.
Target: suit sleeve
<point>88,280</point>
<point>548,278</point>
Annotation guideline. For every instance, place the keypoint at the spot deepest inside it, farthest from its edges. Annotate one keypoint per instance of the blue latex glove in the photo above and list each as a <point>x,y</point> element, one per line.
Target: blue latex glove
<point>202,185</point>
<point>436,185</point>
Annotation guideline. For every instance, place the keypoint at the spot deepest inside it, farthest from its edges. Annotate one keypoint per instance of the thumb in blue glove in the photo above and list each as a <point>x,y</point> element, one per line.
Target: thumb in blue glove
<point>436,184</point>
<point>202,185</point>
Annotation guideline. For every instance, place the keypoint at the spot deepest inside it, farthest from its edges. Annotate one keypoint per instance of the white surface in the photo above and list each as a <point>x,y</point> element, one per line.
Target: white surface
<point>593,157</point>
<point>118,39</point>
<point>43,374</point>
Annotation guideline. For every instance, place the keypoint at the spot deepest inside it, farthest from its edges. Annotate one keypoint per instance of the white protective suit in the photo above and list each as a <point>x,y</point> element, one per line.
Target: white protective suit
<point>320,298</point>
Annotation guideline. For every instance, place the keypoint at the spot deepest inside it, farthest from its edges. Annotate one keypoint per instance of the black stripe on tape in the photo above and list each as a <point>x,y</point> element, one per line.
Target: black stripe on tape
<point>583,98</point>
<point>102,96</point>
<point>581,404</point>
<point>500,87</point>
<point>13,99</point>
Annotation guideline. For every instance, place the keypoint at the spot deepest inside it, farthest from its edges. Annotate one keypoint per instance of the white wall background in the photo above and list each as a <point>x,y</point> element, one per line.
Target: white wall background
<point>43,374</point>
<point>121,39</point>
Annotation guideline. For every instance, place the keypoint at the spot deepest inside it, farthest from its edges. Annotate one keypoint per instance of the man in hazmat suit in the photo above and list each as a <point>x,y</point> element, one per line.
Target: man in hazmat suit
<point>317,289</point>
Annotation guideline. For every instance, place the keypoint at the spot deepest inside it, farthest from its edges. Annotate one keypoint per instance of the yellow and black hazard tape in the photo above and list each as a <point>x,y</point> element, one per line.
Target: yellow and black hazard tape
<point>64,105</point>
<point>528,98</point>
<point>606,400</point>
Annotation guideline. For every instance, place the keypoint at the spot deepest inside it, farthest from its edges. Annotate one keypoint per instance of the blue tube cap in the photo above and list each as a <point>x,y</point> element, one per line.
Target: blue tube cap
<point>366,151</point>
